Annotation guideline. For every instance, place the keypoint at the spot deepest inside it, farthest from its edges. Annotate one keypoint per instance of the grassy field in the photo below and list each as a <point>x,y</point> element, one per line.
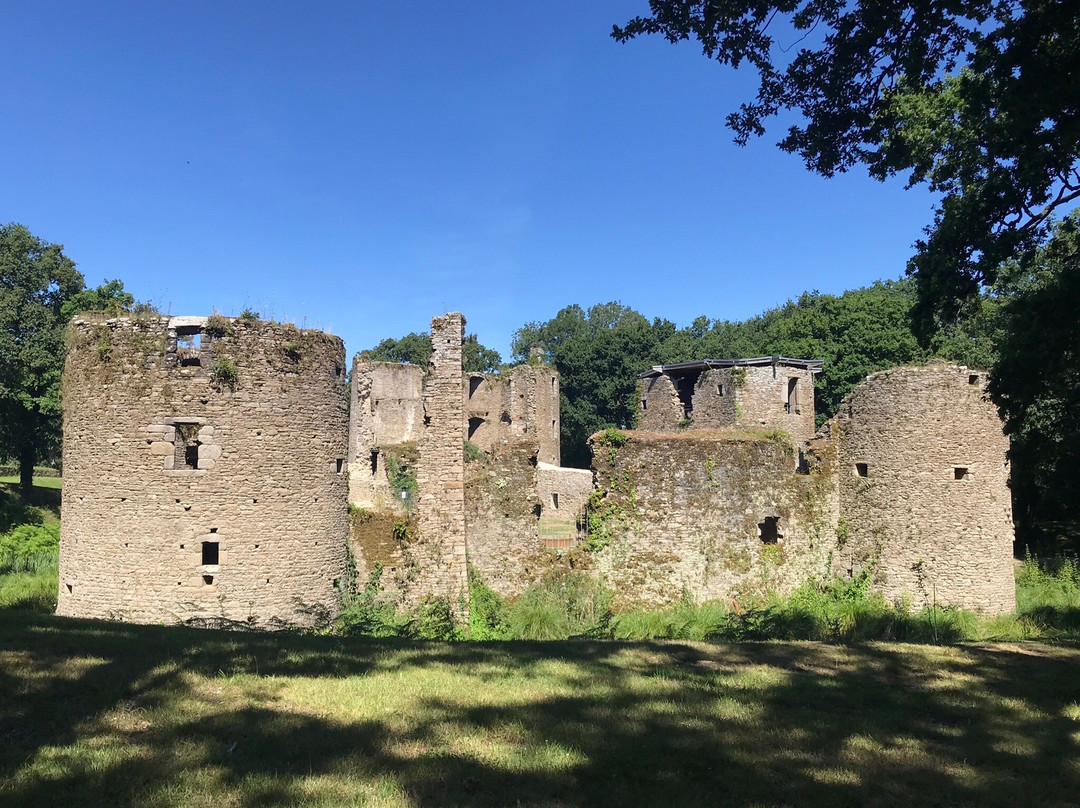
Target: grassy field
<point>112,714</point>
<point>39,482</point>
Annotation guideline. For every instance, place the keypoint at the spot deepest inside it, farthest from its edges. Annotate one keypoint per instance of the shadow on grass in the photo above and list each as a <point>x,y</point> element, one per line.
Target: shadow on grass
<point>614,724</point>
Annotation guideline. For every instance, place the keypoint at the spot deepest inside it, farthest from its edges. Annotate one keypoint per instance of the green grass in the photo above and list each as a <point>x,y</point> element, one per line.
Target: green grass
<point>39,482</point>
<point>120,715</point>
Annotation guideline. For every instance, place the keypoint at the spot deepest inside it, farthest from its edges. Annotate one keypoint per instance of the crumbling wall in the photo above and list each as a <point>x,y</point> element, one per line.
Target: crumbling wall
<point>439,549</point>
<point>660,409</point>
<point>204,471</point>
<point>713,514</point>
<point>501,518</point>
<point>522,402</point>
<point>775,397</point>
<point>714,398</point>
<point>387,410</point>
<point>923,487</point>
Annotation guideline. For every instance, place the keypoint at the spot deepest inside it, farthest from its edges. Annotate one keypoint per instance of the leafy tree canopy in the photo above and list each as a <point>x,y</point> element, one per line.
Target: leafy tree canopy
<point>36,280</point>
<point>978,99</point>
<point>415,349</point>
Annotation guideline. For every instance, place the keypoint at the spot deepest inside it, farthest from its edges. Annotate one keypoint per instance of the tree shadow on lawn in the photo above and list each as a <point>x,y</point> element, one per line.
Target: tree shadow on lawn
<point>624,724</point>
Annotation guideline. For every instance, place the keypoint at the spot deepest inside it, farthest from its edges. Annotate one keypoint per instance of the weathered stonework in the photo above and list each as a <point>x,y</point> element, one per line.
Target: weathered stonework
<point>709,513</point>
<point>909,482</point>
<point>563,494</point>
<point>522,403</point>
<point>439,548</point>
<point>923,486</point>
<point>765,393</point>
<point>204,472</point>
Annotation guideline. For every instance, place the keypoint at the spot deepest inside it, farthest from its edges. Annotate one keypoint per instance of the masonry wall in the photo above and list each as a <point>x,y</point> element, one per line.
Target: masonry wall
<point>923,487</point>
<point>162,456</point>
<point>502,516</point>
<point>563,494</point>
<point>387,410</point>
<point>659,407</point>
<point>762,399</point>
<point>688,512</point>
<point>521,402</point>
<point>714,399</point>
<point>439,549</point>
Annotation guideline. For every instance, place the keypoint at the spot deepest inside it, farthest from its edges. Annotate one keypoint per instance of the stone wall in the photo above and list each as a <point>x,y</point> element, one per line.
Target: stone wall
<point>439,548</point>
<point>520,403</point>
<point>387,410</point>
<point>562,494</point>
<point>204,472</point>
<point>770,396</point>
<point>923,487</point>
<point>777,397</point>
<point>711,513</point>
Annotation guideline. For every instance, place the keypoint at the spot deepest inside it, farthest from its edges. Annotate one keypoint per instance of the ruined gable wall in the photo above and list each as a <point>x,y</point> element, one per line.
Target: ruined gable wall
<point>268,483</point>
<point>659,408</point>
<point>714,399</point>
<point>761,396</point>
<point>439,549</point>
<point>520,403</point>
<point>935,537</point>
<point>387,409</point>
<point>682,511</point>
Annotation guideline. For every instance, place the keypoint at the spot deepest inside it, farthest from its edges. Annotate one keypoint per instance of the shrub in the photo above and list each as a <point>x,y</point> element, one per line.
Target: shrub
<point>472,452</point>
<point>29,548</point>
<point>249,316</point>
<point>485,610</point>
<point>223,373</point>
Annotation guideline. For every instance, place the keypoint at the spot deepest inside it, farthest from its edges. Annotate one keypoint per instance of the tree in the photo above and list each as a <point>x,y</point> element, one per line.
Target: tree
<point>36,281</point>
<point>416,349</point>
<point>975,98</point>
<point>1036,385</point>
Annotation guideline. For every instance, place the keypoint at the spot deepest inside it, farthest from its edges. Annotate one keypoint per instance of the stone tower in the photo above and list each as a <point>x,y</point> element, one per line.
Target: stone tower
<point>204,472</point>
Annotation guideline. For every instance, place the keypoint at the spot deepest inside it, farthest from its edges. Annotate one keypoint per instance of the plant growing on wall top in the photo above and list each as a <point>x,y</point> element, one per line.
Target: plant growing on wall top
<point>223,373</point>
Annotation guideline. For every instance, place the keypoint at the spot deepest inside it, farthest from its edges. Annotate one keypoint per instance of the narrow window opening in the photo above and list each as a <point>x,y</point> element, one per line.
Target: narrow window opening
<point>644,404</point>
<point>339,465</point>
<point>213,530</point>
<point>427,420</point>
<point>792,404</point>
<point>769,530</point>
<point>554,430</point>
<point>474,424</point>
<point>189,346</point>
<point>538,509</point>
<point>69,588</point>
<point>374,461</point>
<point>960,472</point>
<point>862,469</point>
<point>720,390</point>
<point>337,583</point>
<point>553,384</point>
<point>555,500</point>
<point>505,418</point>
<point>210,554</point>
<point>186,443</point>
<point>973,378</point>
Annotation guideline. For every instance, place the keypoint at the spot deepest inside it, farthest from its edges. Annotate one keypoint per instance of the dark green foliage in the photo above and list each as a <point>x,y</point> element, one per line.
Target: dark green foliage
<point>36,282</point>
<point>249,316</point>
<point>472,453</point>
<point>485,610</point>
<point>371,613</point>
<point>977,99</point>
<point>433,620</point>
<point>1036,385</point>
<point>415,349</point>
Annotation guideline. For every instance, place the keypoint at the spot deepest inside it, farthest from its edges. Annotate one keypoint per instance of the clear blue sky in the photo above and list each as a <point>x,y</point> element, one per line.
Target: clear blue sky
<point>361,167</point>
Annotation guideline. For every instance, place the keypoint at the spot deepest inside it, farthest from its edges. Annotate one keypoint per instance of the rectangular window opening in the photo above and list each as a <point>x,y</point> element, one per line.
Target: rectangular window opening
<point>210,554</point>
<point>792,404</point>
<point>720,390</point>
<point>862,469</point>
<point>186,455</point>
<point>555,501</point>
<point>474,384</point>
<point>644,404</point>
<point>374,461</point>
<point>960,472</point>
<point>339,465</point>
<point>189,345</point>
<point>973,378</point>
<point>208,580</point>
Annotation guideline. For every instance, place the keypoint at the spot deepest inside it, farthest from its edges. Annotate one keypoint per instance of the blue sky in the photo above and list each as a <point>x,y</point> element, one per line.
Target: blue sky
<point>361,167</point>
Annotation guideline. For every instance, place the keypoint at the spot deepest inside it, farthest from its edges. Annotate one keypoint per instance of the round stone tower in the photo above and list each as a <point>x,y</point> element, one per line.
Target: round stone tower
<point>204,472</point>
<point>924,496</point>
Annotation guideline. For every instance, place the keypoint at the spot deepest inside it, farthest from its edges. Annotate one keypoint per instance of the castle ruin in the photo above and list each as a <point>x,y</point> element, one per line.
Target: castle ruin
<point>208,463</point>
